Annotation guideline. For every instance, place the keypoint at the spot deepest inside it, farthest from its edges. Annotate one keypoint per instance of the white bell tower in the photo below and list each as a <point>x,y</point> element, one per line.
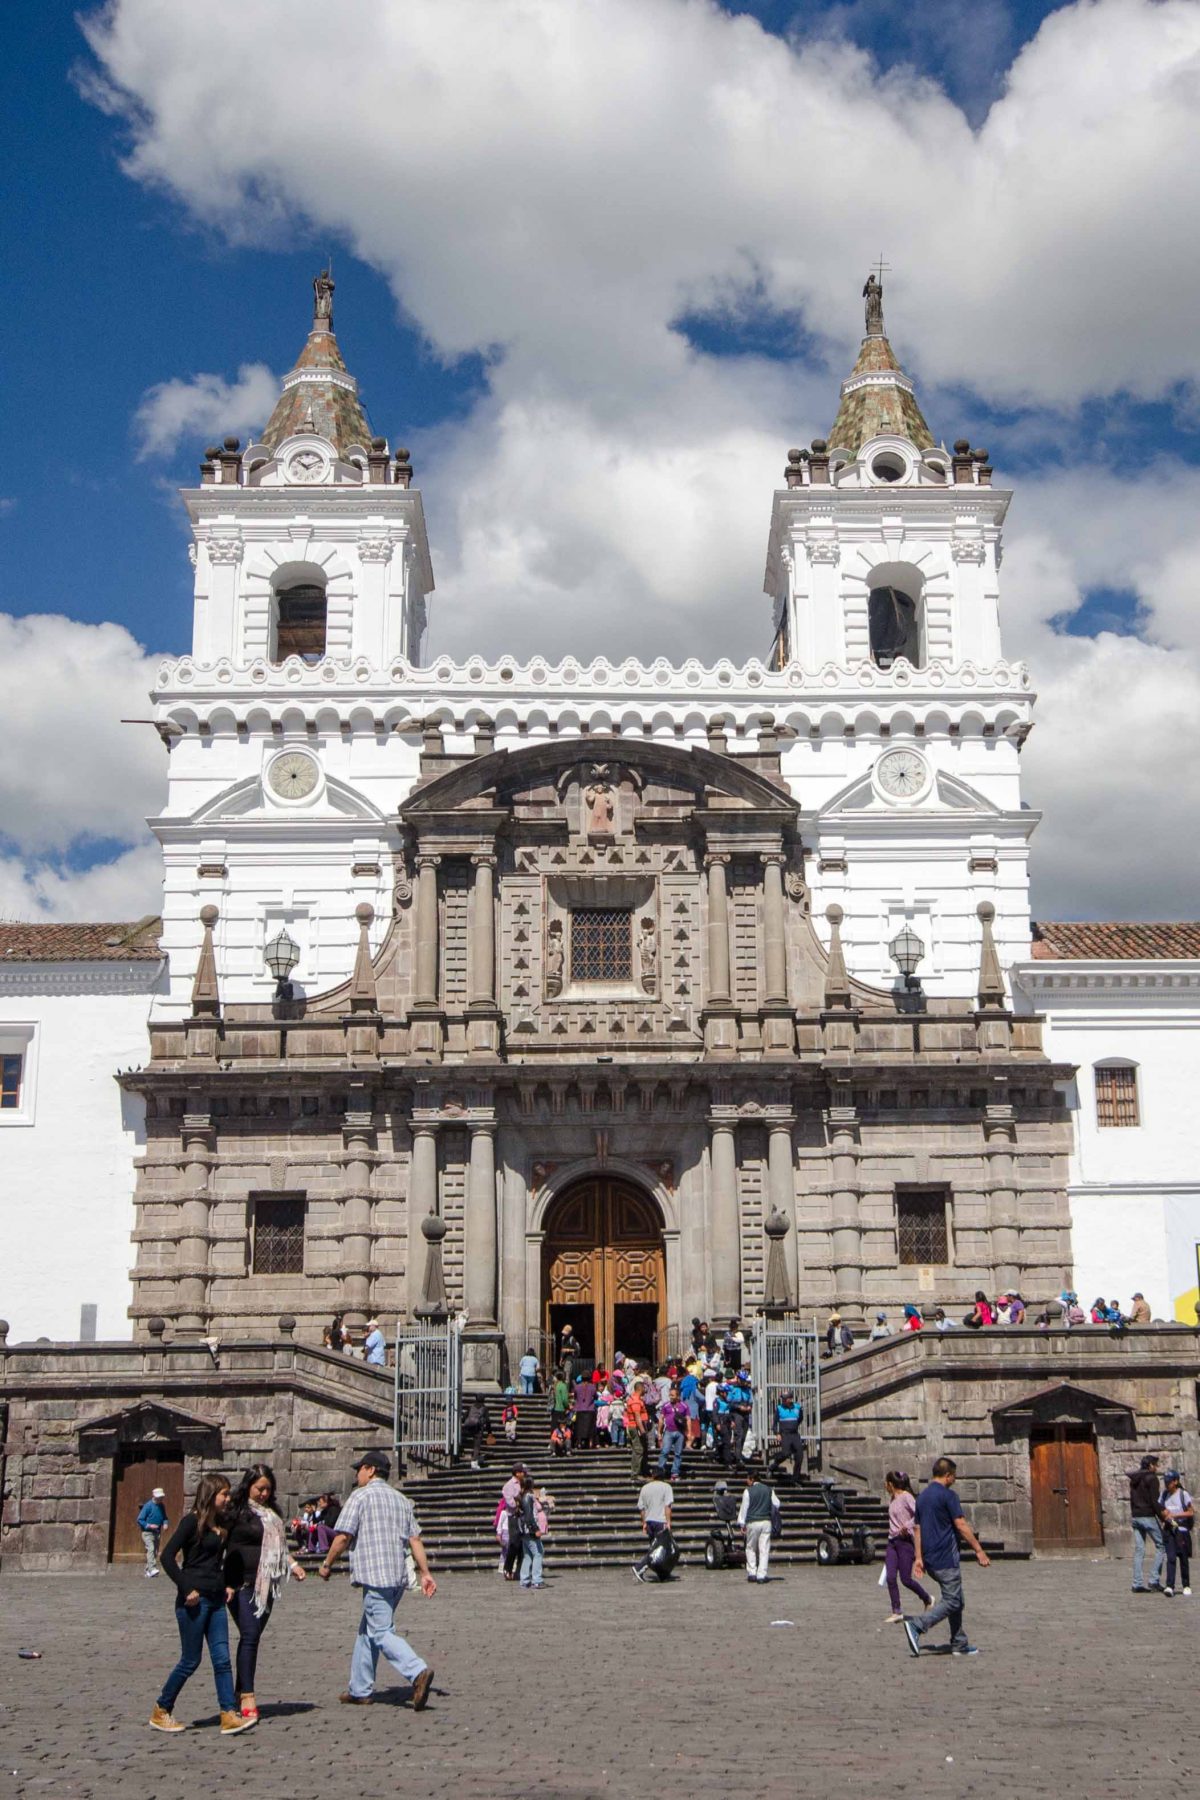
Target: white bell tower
<point>883,570</point>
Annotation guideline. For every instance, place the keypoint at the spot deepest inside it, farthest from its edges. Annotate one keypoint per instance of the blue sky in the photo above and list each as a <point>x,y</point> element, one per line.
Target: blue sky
<point>1080,375</point>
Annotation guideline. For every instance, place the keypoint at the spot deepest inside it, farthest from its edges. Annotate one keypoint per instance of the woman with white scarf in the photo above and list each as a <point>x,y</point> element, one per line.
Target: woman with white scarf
<point>257,1563</point>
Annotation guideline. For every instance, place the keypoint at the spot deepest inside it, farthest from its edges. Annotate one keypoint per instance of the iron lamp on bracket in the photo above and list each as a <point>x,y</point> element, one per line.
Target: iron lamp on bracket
<point>907,951</point>
<point>281,956</point>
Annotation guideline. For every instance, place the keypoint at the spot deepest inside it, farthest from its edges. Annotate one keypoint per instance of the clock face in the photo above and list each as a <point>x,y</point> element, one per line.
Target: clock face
<point>902,773</point>
<point>293,775</point>
<point>306,465</point>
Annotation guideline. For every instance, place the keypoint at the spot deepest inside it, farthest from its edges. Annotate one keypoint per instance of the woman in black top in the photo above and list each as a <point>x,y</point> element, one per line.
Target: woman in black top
<point>199,1540</point>
<point>257,1563</point>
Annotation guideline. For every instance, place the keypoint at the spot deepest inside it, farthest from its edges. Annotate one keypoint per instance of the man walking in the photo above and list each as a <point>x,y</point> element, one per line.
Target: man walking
<point>637,1424</point>
<point>529,1368</point>
<point>151,1520</point>
<point>789,1416</point>
<point>654,1504</point>
<point>756,1517</point>
<point>1145,1506</point>
<point>938,1526</point>
<point>380,1528</point>
<point>741,1406</point>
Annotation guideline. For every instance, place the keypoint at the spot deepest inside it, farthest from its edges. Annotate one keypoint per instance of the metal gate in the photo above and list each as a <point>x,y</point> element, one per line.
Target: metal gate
<point>428,1404</point>
<point>784,1356</point>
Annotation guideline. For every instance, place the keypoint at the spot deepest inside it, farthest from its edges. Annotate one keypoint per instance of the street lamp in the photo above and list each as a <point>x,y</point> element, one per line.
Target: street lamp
<point>906,951</point>
<point>281,956</point>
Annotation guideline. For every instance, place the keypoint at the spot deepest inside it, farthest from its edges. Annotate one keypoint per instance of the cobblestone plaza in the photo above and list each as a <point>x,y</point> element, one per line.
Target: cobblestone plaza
<point>598,1686</point>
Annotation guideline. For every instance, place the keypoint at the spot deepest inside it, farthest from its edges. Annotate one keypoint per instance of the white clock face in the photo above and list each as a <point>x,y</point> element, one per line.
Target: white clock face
<point>306,465</point>
<point>293,775</point>
<point>902,773</point>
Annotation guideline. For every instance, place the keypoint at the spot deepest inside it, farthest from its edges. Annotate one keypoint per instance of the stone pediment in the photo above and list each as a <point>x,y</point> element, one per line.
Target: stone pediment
<point>949,794</point>
<point>666,775</point>
<point>150,1420</point>
<point>1063,1400</point>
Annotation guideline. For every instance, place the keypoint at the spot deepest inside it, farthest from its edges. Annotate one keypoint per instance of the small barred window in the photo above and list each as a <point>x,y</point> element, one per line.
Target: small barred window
<point>277,1246</point>
<point>11,1071</point>
<point>1116,1096</point>
<point>921,1226</point>
<point>601,943</point>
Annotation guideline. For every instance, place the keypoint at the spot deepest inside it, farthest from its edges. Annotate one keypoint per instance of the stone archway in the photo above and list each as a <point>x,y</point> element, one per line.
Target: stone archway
<point>604,1268</point>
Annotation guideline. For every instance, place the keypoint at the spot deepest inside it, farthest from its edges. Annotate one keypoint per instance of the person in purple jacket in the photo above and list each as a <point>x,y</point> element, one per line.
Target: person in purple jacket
<point>673,1417</point>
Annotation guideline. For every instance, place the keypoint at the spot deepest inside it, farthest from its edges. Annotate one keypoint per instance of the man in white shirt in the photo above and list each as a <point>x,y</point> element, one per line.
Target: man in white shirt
<point>756,1517</point>
<point>374,1347</point>
<point>654,1504</point>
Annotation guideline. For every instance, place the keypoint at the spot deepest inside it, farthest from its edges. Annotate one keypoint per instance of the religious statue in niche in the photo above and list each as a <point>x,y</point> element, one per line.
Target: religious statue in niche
<point>648,955</point>
<point>600,803</point>
<point>554,958</point>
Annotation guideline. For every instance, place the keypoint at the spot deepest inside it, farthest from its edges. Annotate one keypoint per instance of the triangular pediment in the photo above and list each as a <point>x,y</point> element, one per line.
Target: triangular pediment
<point>1064,1397</point>
<point>949,794</point>
<point>247,800</point>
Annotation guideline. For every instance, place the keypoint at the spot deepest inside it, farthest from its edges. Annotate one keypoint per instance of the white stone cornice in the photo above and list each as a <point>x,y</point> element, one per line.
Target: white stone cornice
<point>66,978</point>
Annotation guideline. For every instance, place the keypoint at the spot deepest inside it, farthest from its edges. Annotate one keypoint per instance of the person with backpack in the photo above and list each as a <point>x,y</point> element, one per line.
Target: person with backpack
<point>151,1522</point>
<point>655,1503</point>
<point>1178,1512</point>
<point>195,1561</point>
<point>1145,1509</point>
<point>757,1518</point>
<point>477,1426</point>
<point>532,1524</point>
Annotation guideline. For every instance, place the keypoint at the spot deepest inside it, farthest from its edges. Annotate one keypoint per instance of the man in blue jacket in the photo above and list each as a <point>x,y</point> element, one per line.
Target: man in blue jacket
<point>150,1521</point>
<point>789,1415</point>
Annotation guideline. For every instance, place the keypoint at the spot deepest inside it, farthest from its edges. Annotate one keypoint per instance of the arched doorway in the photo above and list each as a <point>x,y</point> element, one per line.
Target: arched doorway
<point>604,1269</point>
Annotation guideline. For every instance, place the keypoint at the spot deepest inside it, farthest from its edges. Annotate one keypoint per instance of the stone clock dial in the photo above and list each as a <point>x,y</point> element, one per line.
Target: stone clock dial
<point>902,773</point>
<point>293,775</point>
<point>306,465</point>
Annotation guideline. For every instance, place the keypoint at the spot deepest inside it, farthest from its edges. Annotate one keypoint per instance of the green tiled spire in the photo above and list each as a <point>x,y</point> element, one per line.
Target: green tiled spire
<point>320,394</point>
<point>877,397</point>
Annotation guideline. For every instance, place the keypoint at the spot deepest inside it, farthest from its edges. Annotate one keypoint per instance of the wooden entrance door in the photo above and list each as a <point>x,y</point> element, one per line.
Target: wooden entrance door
<point>138,1470</point>
<point>604,1268</point>
<point>1065,1484</point>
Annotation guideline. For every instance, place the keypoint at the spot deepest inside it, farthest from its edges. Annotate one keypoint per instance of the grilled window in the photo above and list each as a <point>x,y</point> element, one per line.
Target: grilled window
<point>601,943</point>
<point>278,1235</point>
<point>921,1226</point>
<point>11,1070</point>
<point>300,623</point>
<point>1116,1096</point>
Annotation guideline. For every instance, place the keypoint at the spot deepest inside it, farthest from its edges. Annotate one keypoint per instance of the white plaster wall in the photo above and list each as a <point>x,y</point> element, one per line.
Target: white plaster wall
<point>67,1178</point>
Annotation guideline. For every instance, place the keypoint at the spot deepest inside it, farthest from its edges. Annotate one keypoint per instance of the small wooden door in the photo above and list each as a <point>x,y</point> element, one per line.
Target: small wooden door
<point>1065,1487</point>
<point>604,1265</point>
<point>138,1470</point>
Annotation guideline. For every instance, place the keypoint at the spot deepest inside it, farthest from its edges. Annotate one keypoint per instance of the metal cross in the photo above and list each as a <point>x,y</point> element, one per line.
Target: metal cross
<point>880,268</point>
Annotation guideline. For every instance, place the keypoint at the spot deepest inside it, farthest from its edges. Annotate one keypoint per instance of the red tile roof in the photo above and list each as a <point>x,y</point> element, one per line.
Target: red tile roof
<point>1114,938</point>
<point>124,942</point>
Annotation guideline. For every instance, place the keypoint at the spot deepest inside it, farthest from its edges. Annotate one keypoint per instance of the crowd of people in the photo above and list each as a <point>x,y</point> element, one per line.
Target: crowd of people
<point>984,1314</point>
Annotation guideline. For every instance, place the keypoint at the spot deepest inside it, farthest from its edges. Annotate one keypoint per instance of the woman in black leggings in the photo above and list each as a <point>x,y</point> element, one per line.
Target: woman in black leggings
<point>257,1563</point>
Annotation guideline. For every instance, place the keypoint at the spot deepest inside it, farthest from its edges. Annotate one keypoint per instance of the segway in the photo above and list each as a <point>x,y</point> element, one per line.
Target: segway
<point>837,1543</point>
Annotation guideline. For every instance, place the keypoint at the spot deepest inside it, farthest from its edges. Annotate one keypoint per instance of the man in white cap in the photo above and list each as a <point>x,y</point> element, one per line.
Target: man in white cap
<point>375,1348</point>
<point>151,1521</point>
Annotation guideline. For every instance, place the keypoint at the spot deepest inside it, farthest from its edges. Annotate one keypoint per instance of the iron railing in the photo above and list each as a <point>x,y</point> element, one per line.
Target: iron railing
<point>426,1416</point>
<point>785,1356</point>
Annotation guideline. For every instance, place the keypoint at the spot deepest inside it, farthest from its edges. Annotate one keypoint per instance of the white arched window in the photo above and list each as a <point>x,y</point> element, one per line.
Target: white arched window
<point>298,615</point>
<point>896,615</point>
<point>1116,1094</point>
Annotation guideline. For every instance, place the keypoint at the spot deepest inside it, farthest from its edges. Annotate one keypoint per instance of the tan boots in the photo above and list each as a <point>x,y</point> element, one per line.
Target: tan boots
<point>161,1720</point>
<point>232,1722</point>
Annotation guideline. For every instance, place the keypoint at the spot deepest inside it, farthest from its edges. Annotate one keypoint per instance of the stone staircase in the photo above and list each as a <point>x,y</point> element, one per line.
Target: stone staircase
<point>595,1522</point>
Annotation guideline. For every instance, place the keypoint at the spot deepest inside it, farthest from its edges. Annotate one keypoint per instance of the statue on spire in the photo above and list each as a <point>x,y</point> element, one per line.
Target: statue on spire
<point>323,301</point>
<point>873,295</point>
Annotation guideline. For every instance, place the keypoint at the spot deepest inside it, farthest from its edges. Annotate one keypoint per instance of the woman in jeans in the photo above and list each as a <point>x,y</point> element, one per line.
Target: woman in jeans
<point>199,1539</point>
<point>1178,1512</point>
<point>532,1527</point>
<point>257,1564</point>
<point>898,1563</point>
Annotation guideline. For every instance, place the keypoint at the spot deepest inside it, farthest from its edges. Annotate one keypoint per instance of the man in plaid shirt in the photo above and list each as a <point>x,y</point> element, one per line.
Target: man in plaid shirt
<point>379,1526</point>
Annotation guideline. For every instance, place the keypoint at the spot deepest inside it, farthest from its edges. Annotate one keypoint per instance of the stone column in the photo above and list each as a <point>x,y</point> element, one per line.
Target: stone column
<point>479,1246</point>
<point>483,934</point>
<point>718,932</point>
<point>724,1249</point>
<point>781,1190</point>
<point>425,978</point>
<point>422,1200</point>
<point>355,1263</point>
<point>199,1154</point>
<point>999,1130</point>
<point>774,946</point>
<point>847,1232</point>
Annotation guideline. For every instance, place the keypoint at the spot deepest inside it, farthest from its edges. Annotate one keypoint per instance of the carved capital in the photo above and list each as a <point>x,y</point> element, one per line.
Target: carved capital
<point>968,550</point>
<point>825,552</point>
<point>225,550</point>
<point>776,857</point>
<point>483,861</point>
<point>374,549</point>
<point>721,857</point>
<point>426,859</point>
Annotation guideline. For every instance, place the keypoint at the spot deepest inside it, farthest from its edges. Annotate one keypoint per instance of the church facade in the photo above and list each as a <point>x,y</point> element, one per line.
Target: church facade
<point>602,992</point>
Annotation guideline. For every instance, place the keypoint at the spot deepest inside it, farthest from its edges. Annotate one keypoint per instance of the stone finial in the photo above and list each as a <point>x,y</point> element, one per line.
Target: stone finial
<point>991,979</point>
<point>4,1330</point>
<point>206,998</point>
<point>433,1304</point>
<point>837,981</point>
<point>377,462</point>
<point>778,1296</point>
<point>156,1327</point>
<point>403,473</point>
<point>961,467</point>
<point>363,995</point>
<point>287,1324</point>
<point>718,734</point>
<point>793,475</point>
<point>818,462</point>
<point>485,736</point>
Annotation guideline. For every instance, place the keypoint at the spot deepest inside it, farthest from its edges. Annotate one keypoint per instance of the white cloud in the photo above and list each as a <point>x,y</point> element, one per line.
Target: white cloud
<point>560,191</point>
<point>73,776</point>
<point>204,407</point>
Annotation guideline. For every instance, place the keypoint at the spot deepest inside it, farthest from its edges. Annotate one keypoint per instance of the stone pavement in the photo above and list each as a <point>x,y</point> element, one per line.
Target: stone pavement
<point>599,1686</point>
